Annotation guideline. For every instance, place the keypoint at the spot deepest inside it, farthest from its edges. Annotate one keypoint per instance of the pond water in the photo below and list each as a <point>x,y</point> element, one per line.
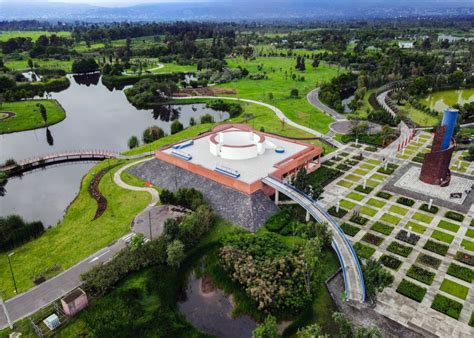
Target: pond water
<point>209,310</point>
<point>447,98</point>
<point>96,118</point>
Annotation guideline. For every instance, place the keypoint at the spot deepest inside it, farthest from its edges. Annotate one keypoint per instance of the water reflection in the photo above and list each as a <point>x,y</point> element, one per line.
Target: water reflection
<point>96,118</point>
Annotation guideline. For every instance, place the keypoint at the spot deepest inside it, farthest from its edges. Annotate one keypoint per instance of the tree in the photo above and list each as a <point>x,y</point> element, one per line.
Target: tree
<point>171,229</point>
<point>345,326</point>
<point>137,241</point>
<point>294,93</point>
<point>387,133</point>
<point>315,63</point>
<point>152,134</point>
<point>43,112</point>
<point>192,121</point>
<point>311,331</point>
<point>270,96</point>
<point>311,252</point>
<point>133,142</point>
<point>267,329</point>
<point>359,128</point>
<point>376,278</point>
<point>175,253</point>
<point>176,127</point>
<point>30,63</point>
<point>368,332</point>
<point>84,65</point>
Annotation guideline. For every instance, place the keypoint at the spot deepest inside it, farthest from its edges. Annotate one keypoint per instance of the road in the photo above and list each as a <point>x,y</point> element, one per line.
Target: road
<point>352,271</point>
<point>313,99</point>
<point>27,303</point>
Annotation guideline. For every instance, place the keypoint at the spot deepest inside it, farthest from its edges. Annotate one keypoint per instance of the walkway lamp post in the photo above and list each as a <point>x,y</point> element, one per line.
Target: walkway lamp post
<point>11,270</point>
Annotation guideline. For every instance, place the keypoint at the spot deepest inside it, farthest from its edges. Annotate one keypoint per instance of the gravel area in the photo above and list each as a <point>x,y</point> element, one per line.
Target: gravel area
<point>248,211</point>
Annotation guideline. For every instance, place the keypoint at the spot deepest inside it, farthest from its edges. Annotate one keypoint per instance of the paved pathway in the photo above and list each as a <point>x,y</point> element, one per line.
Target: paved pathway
<point>277,112</point>
<point>29,302</point>
<point>313,99</point>
<point>155,198</point>
<point>353,278</point>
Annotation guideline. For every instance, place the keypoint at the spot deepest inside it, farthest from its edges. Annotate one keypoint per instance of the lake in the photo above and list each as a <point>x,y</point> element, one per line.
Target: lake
<point>447,98</point>
<point>96,118</point>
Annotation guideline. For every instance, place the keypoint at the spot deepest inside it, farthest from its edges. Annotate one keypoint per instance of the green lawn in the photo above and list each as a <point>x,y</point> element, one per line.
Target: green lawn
<point>454,289</point>
<point>280,85</point>
<point>353,178</point>
<point>378,177</point>
<point>468,245</point>
<point>27,115</point>
<point>398,210</point>
<point>418,228</point>
<point>77,235</point>
<point>376,203</point>
<point>390,219</point>
<point>448,226</point>
<point>345,184</point>
<point>422,218</point>
<point>20,65</point>
<point>361,172</point>
<point>367,166</point>
<point>470,233</point>
<point>34,35</point>
<point>367,211</point>
<point>442,236</point>
<point>346,204</point>
<point>355,196</point>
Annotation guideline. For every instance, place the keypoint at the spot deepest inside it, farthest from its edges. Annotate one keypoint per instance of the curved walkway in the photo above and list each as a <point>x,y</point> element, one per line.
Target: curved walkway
<point>277,112</point>
<point>155,197</point>
<point>352,271</point>
<point>313,99</point>
<point>160,65</point>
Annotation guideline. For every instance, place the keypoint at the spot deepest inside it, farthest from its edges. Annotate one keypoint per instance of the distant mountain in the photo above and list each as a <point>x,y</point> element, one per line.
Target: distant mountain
<point>236,10</point>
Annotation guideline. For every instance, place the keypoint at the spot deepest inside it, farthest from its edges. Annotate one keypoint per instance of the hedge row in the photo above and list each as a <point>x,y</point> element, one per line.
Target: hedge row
<point>359,220</point>
<point>410,239</point>
<point>390,262</point>
<point>455,216</point>
<point>384,195</point>
<point>461,272</point>
<point>405,201</point>
<point>411,290</point>
<point>399,249</point>
<point>437,248</point>
<point>447,306</point>
<point>429,260</point>
<point>421,275</point>
<point>350,229</point>
<point>333,212</point>
<point>434,209</point>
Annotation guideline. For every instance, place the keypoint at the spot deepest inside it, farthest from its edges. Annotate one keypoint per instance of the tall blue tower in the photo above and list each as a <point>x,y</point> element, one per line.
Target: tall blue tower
<point>449,120</point>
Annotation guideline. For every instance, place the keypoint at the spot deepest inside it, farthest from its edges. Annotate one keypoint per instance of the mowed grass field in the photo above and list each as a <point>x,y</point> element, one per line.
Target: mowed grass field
<point>20,65</point>
<point>77,235</point>
<point>280,85</point>
<point>34,35</point>
<point>28,116</point>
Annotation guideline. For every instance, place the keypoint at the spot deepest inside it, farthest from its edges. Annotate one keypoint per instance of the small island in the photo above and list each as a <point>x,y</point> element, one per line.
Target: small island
<point>26,115</point>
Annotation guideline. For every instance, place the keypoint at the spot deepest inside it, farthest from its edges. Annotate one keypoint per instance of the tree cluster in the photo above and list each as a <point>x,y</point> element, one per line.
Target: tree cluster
<point>14,231</point>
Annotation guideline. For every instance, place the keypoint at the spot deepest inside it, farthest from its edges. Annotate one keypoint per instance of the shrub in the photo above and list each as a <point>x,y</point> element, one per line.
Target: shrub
<point>364,251</point>
<point>189,198</point>
<point>372,239</point>
<point>176,127</point>
<point>350,229</point>
<point>277,221</point>
<point>421,274</point>
<point>437,248</point>
<point>382,228</point>
<point>461,272</point>
<point>367,190</point>
<point>234,109</point>
<point>455,216</point>
<point>359,219</point>
<point>384,195</point>
<point>429,260</point>
<point>84,65</point>
<point>405,201</point>
<point>399,249</point>
<point>411,290</point>
<point>133,142</point>
<point>333,211</point>
<point>14,231</point>
<point>447,306</point>
<point>207,118</point>
<point>434,209</point>
<point>294,92</point>
<point>465,258</point>
<point>152,134</point>
<point>390,262</point>
<point>410,239</point>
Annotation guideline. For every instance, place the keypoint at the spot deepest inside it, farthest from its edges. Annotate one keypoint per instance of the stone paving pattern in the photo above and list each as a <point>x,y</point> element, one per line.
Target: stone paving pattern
<point>418,316</point>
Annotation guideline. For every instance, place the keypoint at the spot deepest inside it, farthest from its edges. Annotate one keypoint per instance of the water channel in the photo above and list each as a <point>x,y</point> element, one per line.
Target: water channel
<point>96,118</point>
